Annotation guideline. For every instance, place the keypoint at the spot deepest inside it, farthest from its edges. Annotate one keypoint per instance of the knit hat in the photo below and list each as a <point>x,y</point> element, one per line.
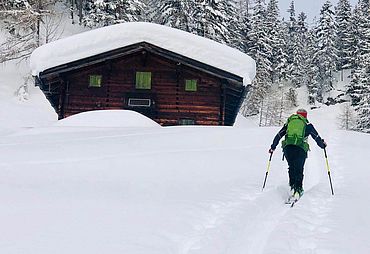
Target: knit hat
<point>302,112</point>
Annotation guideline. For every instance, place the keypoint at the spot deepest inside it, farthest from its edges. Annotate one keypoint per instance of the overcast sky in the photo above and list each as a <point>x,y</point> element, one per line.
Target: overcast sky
<point>310,7</point>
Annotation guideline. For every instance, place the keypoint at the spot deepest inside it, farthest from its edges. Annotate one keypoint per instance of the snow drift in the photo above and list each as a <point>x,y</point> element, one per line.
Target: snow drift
<point>108,118</point>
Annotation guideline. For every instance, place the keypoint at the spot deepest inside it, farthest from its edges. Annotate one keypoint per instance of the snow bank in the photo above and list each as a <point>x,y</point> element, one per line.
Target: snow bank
<point>108,118</point>
<point>117,36</point>
<point>18,113</point>
<point>178,190</point>
<point>243,122</point>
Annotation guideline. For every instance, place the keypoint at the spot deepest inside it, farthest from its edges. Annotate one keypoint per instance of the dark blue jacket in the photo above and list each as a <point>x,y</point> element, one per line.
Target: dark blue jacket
<point>310,130</point>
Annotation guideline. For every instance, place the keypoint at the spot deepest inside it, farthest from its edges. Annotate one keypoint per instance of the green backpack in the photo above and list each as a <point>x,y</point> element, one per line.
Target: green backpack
<point>295,133</point>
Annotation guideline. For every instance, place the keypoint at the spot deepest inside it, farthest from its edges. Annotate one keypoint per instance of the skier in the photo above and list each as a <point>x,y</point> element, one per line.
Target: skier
<point>295,148</point>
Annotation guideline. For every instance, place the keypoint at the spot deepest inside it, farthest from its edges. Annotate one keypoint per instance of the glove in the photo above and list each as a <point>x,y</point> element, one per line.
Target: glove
<point>271,150</point>
<point>324,145</point>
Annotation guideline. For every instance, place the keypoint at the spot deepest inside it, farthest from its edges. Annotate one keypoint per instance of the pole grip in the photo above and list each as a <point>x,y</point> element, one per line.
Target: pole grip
<point>270,156</point>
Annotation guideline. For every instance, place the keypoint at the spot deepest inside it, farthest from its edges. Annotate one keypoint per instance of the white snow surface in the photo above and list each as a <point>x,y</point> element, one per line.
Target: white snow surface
<point>108,38</point>
<point>109,119</point>
<point>190,189</point>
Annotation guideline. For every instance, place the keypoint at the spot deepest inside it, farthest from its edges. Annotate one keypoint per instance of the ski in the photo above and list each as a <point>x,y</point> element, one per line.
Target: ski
<point>292,200</point>
<point>289,201</point>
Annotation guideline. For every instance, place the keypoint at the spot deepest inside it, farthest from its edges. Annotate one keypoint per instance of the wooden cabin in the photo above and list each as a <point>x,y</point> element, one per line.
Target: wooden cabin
<point>168,87</point>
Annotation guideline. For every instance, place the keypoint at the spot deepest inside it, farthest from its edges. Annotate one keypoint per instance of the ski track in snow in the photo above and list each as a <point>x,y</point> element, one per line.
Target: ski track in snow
<point>221,218</point>
<point>243,219</point>
<point>290,230</point>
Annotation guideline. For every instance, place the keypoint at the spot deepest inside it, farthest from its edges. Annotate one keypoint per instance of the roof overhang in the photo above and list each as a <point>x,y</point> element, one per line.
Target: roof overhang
<point>142,46</point>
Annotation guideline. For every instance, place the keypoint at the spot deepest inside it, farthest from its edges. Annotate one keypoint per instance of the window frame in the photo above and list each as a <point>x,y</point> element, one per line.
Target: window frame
<point>131,102</point>
<point>191,85</point>
<point>91,80</point>
<point>143,86</point>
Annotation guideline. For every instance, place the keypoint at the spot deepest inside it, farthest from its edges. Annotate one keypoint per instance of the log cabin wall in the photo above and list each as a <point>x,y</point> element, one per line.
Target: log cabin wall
<point>170,103</point>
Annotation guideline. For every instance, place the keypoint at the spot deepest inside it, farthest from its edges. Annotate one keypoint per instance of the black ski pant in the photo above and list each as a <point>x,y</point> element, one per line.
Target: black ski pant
<point>296,158</point>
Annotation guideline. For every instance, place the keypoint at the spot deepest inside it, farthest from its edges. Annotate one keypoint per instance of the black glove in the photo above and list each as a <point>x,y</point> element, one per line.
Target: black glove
<point>323,144</point>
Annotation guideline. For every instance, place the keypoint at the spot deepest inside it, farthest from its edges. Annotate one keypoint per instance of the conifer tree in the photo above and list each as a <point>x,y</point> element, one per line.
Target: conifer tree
<point>363,107</point>
<point>214,19</point>
<point>303,55</point>
<point>291,38</point>
<point>242,40</point>
<point>344,35</point>
<point>174,13</point>
<point>325,57</point>
<point>355,20</point>
<point>275,37</point>
<point>261,51</point>
<point>299,50</point>
<point>312,67</point>
<point>295,46</point>
<point>358,85</point>
<point>100,13</point>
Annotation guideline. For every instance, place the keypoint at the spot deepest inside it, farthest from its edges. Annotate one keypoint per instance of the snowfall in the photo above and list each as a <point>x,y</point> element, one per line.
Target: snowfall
<point>116,182</point>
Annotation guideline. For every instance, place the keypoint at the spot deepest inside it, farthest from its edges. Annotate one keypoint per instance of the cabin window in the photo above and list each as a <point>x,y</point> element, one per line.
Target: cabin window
<point>136,102</point>
<point>186,122</point>
<point>95,81</point>
<point>143,80</point>
<point>191,85</point>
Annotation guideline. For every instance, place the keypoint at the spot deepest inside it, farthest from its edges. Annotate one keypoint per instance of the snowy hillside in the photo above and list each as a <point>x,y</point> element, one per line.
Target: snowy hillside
<point>80,189</point>
<point>29,109</point>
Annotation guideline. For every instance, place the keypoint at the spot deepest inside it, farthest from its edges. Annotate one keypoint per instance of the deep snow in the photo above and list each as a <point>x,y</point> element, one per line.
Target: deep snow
<point>194,189</point>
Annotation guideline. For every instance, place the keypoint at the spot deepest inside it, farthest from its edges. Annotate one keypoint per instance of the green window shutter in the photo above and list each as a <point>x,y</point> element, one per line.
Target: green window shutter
<point>191,85</point>
<point>143,80</point>
<point>95,81</point>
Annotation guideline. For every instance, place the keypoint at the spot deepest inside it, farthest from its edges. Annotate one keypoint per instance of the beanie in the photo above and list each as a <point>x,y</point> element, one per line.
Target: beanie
<point>302,112</point>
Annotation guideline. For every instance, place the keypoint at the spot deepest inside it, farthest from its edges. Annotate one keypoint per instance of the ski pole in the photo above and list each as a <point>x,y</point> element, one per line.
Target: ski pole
<point>267,172</point>
<point>327,166</point>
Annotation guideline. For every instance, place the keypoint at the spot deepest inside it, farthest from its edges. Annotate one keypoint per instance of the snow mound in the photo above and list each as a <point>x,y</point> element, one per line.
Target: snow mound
<point>108,118</point>
<point>243,122</point>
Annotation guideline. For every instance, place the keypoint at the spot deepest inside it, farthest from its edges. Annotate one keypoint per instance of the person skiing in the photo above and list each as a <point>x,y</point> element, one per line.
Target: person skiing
<point>295,148</point>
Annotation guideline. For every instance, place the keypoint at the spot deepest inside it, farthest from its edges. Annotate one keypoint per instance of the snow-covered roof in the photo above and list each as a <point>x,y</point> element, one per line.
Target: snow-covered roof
<point>108,38</point>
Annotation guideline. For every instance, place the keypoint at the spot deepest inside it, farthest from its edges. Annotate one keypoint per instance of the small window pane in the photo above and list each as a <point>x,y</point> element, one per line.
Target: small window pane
<point>135,102</point>
<point>143,80</point>
<point>186,122</point>
<point>191,85</point>
<point>95,81</point>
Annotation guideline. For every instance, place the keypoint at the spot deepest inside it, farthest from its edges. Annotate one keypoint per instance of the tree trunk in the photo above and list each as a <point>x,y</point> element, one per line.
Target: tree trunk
<point>38,22</point>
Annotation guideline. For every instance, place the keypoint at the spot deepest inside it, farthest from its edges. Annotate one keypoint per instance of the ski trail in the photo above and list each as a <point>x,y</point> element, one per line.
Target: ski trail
<point>270,210</point>
<point>304,228</point>
<point>243,222</point>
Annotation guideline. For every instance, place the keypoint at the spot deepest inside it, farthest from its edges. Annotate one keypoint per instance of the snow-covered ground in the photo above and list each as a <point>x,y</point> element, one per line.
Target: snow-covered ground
<point>70,188</point>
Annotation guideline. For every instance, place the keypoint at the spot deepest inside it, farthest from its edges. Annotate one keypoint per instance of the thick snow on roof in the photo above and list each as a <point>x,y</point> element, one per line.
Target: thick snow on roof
<point>105,39</point>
